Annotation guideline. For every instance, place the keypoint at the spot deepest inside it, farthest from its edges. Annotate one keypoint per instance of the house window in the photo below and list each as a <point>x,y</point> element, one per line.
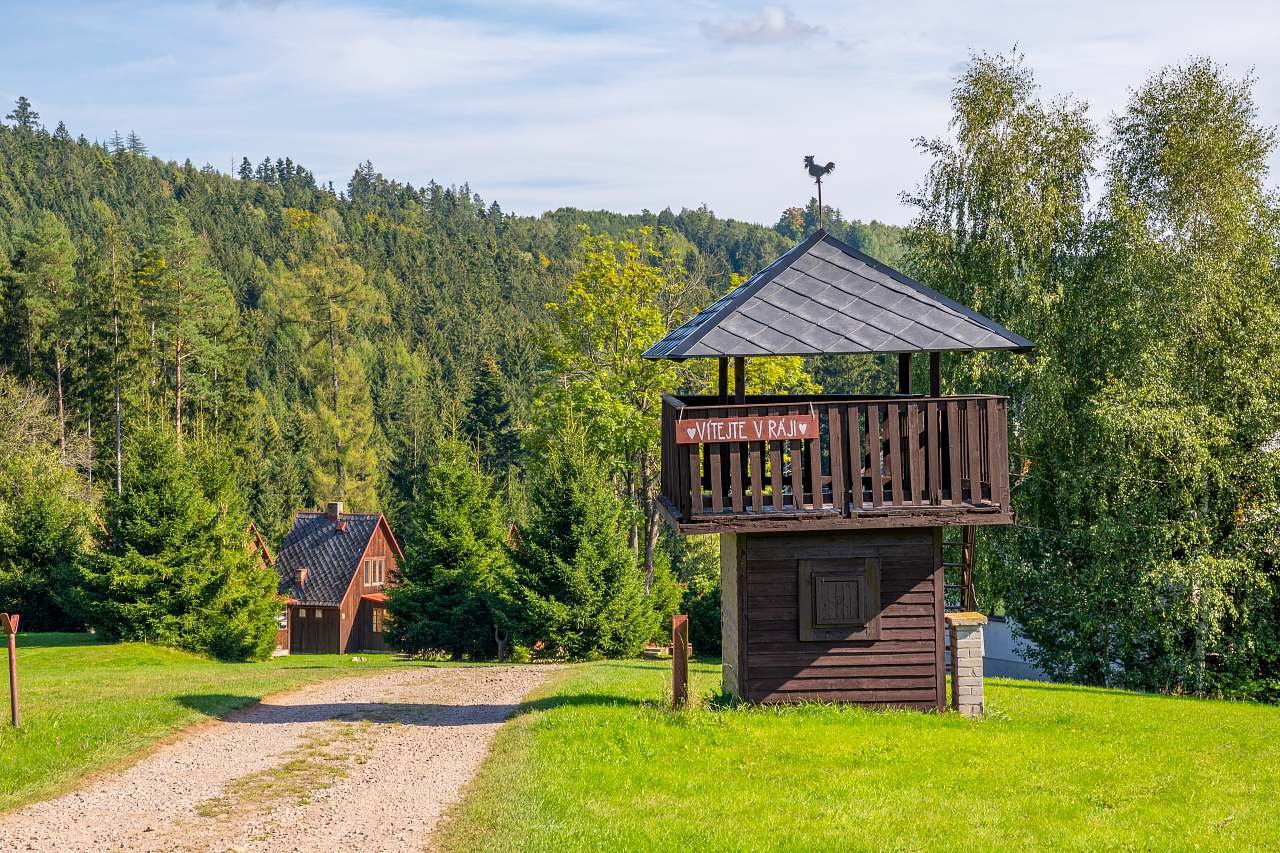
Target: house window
<point>302,613</point>
<point>317,613</point>
<point>375,571</point>
<point>379,625</point>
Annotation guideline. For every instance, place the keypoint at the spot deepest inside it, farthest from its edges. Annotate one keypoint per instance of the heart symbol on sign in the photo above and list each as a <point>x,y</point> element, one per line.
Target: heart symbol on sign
<point>804,428</point>
<point>690,431</point>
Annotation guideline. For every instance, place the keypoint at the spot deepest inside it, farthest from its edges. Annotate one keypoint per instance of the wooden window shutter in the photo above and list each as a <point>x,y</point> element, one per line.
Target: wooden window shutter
<point>839,599</point>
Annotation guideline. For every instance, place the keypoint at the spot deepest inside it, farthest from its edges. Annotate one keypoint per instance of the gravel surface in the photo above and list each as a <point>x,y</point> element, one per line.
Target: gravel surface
<point>369,762</point>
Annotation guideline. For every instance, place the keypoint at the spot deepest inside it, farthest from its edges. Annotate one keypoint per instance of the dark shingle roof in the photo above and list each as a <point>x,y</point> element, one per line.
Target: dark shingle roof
<point>330,557</point>
<point>825,297</point>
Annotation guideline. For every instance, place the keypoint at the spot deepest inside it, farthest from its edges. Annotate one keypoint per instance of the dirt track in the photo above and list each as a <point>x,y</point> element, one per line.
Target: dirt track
<point>369,762</point>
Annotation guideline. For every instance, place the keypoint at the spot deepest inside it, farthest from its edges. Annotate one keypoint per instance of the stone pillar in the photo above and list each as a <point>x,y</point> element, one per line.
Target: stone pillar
<point>966,662</point>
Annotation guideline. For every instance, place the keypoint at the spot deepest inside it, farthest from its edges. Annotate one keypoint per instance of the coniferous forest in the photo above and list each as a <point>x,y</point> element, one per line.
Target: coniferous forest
<point>184,352</point>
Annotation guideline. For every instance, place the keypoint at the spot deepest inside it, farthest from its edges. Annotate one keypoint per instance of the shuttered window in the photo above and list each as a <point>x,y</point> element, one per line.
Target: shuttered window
<point>839,599</point>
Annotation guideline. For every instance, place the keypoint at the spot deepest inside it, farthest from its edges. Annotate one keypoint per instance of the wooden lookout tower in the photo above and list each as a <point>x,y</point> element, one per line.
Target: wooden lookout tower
<point>831,508</point>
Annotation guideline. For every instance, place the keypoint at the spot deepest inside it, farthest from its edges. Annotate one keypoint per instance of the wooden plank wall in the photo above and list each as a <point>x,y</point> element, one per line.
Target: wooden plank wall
<point>315,636</point>
<point>904,667</point>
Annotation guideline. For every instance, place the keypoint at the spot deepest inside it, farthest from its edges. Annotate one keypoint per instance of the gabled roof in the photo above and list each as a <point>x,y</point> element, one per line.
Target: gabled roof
<point>825,297</point>
<point>330,556</point>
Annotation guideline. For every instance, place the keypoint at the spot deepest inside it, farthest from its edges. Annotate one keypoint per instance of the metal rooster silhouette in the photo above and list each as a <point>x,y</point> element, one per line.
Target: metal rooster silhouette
<point>818,172</point>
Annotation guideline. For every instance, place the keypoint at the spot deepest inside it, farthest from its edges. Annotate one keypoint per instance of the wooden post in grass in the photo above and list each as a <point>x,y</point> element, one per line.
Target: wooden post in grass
<point>679,660</point>
<point>10,621</point>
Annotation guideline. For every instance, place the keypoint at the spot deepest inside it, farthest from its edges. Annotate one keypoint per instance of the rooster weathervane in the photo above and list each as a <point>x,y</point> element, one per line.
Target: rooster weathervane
<point>818,172</point>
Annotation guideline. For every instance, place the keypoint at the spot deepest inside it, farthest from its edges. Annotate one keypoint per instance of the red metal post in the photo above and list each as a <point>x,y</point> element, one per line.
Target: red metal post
<point>10,621</point>
<point>679,660</point>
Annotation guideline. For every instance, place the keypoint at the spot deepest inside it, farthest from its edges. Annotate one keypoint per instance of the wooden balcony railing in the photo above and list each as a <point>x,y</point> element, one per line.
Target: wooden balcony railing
<point>876,462</point>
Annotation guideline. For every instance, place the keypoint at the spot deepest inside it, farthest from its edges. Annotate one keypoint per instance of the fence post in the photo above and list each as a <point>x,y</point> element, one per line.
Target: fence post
<point>679,660</point>
<point>10,621</point>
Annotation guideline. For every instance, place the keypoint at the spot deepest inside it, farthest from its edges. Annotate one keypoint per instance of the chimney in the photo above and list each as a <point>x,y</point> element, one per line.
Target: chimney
<point>300,577</point>
<point>335,509</point>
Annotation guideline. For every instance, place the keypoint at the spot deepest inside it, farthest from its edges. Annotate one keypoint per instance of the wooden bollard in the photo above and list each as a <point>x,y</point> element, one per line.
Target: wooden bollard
<point>679,660</point>
<point>10,622</point>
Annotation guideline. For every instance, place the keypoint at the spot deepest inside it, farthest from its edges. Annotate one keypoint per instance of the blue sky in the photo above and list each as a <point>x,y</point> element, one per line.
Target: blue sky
<point>591,103</point>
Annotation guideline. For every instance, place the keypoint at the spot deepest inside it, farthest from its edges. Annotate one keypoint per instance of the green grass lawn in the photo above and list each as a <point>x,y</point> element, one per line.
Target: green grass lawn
<point>595,761</point>
<point>88,706</point>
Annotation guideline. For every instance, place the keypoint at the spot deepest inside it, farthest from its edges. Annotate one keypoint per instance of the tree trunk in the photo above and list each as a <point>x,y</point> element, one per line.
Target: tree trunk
<point>62,415</point>
<point>337,435</point>
<point>115,381</point>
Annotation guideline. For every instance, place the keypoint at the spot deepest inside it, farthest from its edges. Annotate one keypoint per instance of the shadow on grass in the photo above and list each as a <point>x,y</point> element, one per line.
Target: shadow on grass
<point>246,709</point>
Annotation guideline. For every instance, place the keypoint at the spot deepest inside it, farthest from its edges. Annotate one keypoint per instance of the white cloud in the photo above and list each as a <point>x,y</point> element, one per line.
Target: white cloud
<point>771,25</point>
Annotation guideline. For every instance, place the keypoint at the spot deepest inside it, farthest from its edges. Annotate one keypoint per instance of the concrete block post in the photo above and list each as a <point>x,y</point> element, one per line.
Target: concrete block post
<point>966,662</point>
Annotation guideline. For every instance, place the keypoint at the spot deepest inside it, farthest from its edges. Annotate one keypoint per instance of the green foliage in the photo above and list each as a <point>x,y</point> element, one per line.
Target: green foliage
<point>581,589</point>
<point>46,510</point>
<point>178,570</point>
<point>455,587</point>
<point>1144,556</point>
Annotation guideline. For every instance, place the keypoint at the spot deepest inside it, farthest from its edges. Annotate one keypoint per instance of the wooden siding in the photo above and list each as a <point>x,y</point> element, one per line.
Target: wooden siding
<point>358,634</point>
<point>310,635</point>
<point>902,667</point>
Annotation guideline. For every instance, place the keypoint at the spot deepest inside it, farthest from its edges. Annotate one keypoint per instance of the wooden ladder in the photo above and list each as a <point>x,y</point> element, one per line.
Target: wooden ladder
<point>958,554</point>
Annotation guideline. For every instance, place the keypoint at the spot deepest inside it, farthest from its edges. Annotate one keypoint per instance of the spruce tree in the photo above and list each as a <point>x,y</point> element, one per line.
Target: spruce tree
<point>455,587</point>
<point>179,571</point>
<point>582,590</point>
<point>488,421</point>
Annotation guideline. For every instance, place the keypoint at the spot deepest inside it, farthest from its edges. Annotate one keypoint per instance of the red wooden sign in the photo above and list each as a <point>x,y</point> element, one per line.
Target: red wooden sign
<point>748,428</point>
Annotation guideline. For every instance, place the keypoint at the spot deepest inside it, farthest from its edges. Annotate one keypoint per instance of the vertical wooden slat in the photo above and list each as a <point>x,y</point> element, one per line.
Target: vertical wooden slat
<point>796,449</point>
<point>737,496</point>
<point>715,463</point>
<point>933,462</point>
<point>835,445</point>
<point>815,463</point>
<point>854,433</point>
<point>998,451</point>
<point>694,485</point>
<point>894,424</point>
<point>775,474</point>
<point>874,448</point>
<point>955,452</point>
<point>915,453</point>
<point>975,452</point>
<point>757,469</point>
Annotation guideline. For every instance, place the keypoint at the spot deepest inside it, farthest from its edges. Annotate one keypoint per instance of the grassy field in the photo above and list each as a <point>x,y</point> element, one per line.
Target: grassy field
<point>88,706</point>
<point>596,762</point>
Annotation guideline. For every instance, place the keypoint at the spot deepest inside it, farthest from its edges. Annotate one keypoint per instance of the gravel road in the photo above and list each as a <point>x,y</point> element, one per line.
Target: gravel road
<point>369,762</point>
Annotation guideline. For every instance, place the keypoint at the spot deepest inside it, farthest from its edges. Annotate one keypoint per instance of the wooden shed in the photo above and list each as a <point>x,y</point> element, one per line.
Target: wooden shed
<point>831,508</point>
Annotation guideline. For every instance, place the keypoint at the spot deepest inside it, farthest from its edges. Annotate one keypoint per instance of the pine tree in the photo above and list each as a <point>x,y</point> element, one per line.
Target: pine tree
<point>488,421</point>
<point>23,117</point>
<point>246,169</point>
<point>322,301</point>
<point>180,572</point>
<point>191,307</point>
<point>455,588</point>
<point>46,265</point>
<point>581,588</point>
<point>135,146</point>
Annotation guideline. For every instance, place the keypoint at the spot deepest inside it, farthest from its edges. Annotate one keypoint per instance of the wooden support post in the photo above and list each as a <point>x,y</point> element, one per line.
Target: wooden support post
<point>739,379</point>
<point>679,660</point>
<point>724,380</point>
<point>10,621</point>
<point>935,374</point>
<point>904,373</point>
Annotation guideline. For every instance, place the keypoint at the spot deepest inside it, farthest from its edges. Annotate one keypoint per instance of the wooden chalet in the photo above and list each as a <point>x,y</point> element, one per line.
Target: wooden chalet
<point>334,568</point>
<point>831,508</point>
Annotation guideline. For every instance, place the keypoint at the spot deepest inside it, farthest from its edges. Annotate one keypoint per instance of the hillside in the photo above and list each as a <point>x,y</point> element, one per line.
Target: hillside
<point>439,282</point>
